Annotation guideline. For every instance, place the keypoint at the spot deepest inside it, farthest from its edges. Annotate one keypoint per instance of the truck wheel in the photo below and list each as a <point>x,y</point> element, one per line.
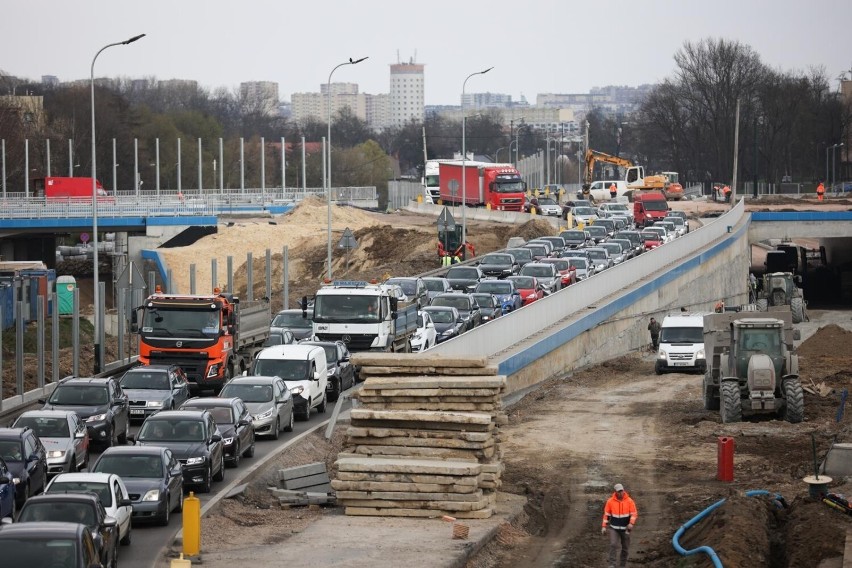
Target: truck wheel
<point>797,306</point>
<point>732,409</point>
<point>794,412</point>
<point>762,304</point>
<point>658,368</point>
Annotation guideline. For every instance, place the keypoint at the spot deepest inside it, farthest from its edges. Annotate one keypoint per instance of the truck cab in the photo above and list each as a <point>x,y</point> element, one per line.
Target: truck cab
<point>649,207</point>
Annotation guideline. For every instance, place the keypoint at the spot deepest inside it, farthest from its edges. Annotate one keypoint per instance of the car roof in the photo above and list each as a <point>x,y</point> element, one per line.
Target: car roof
<point>41,529</point>
<point>13,432</point>
<point>52,413</point>
<point>84,476</point>
<point>297,351</point>
<point>133,450</point>
<point>252,380</point>
<point>66,496</point>
<point>207,401</point>
<point>73,381</point>
<point>144,368</point>
<point>177,414</point>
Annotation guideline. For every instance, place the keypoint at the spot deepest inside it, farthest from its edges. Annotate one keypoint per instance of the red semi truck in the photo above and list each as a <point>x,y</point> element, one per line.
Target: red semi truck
<point>648,207</point>
<point>496,185</point>
<point>67,188</point>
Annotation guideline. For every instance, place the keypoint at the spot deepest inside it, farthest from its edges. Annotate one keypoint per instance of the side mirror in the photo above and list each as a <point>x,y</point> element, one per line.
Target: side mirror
<point>80,434</point>
<point>42,401</point>
<point>125,503</point>
<point>216,438</point>
<point>110,522</point>
<point>131,439</point>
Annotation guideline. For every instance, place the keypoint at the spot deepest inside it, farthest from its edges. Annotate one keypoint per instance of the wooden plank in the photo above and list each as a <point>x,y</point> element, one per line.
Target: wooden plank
<point>435,382</point>
<point>485,407</point>
<point>367,398</point>
<point>438,480</point>
<point>416,513</point>
<point>414,441</point>
<point>373,359</point>
<point>414,425</point>
<point>404,451</point>
<point>341,485</point>
<point>473,390</point>
<point>403,432</point>
<point>409,465</point>
<point>466,418</point>
<point>348,496</point>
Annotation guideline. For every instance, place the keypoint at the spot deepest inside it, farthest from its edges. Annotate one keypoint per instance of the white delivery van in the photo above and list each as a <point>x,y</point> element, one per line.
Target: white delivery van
<point>304,370</point>
<point>681,344</point>
<point>600,189</point>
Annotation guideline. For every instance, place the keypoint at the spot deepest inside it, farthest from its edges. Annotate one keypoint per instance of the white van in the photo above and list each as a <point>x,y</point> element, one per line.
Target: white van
<point>600,189</point>
<point>304,370</point>
<point>681,344</point>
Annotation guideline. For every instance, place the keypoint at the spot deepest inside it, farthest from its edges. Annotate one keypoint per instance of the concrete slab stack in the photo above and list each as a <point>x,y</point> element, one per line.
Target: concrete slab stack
<point>424,438</point>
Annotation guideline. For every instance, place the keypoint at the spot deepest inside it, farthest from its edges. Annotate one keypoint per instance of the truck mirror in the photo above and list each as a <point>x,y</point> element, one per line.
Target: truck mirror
<point>134,322</point>
<point>304,305</point>
<point>232,319</point>
<point>394,303</point>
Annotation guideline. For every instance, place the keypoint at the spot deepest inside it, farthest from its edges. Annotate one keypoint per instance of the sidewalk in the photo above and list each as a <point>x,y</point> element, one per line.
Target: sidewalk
<point>374,542</point>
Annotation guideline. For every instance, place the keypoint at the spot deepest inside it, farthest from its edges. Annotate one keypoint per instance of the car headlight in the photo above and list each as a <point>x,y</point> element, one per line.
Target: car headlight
<point>297,390</point>
<point>153,494</point>
<point>227,441</point>
<point>661,354</point>
<point>16,480</point>
<point>448,332</point>
<point>56,454</point>
<point>155,403</point>
<point>699,354</point>
<point>263,415</point>
<point>96,418</point>
<point>195,461</point>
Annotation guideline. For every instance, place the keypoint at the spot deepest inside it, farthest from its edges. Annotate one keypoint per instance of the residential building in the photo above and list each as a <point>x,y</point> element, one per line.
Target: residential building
<point>259,96</point>
<point>407,93</point>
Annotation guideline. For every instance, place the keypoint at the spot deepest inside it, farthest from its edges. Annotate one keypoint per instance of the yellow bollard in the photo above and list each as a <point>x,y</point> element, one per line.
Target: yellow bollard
<point>191,525</point>
<point>488,206</point>
<point>180,562</point>
<point>419,199</point>
<point>532,211</point>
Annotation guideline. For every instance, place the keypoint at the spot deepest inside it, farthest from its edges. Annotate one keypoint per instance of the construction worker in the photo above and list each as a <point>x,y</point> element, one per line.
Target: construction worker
<point>727,191</point>
<point>654,329</point>
<point>619,518</point>
<point>613,191</point>
<point>720,307</point>
<point>446,260</point>
<point>820,191</point>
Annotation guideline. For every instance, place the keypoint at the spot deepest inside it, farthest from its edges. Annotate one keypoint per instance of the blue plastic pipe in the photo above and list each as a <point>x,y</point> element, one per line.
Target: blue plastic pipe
<point>706,549</point>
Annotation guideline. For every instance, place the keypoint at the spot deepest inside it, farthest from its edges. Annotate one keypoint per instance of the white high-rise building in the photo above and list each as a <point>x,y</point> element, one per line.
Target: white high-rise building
<point>407,98</point>
<point>260,96</point>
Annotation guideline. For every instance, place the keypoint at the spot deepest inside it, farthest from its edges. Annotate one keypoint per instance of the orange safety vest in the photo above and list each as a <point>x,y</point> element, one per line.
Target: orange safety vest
<point>618,513</point>
<point>820,189</point>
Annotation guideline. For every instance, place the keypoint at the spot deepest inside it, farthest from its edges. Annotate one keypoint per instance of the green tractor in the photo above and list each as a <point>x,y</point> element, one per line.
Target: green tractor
<point>782,289</point>
<point>751,366</point>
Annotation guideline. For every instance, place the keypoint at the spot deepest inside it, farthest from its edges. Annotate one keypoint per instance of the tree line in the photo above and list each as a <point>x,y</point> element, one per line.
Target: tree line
<point>686,124</point>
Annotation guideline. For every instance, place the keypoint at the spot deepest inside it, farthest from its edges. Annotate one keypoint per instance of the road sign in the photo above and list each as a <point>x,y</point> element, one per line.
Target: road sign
<point>347,241</point>
<point>84,237</point>
<point>446,222</point>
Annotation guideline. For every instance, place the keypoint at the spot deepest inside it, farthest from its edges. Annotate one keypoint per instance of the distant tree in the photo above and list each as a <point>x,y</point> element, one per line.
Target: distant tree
<point>347,130</point>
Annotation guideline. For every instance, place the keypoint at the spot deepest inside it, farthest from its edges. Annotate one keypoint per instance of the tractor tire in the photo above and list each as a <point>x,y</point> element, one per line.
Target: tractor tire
<point>731,407</point>
<point>797,306</point>
<point>762,304</point>
<point>794,411</point>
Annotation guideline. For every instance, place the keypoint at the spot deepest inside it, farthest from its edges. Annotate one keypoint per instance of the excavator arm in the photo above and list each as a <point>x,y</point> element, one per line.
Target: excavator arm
<point>593,156</point>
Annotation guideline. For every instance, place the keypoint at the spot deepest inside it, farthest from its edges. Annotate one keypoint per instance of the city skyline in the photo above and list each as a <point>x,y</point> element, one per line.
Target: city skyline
<point>610,43</point>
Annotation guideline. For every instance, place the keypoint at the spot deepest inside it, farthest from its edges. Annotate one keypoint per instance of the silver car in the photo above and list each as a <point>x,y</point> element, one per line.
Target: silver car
<point>436,285</point>
<point>64,436</point>
<point>152,388</point>
<point>268,400</point>
<point>546,274</point>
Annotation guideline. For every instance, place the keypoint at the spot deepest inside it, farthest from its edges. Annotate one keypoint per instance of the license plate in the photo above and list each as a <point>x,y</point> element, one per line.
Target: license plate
<point>136,411</point>
<point>680,364</point>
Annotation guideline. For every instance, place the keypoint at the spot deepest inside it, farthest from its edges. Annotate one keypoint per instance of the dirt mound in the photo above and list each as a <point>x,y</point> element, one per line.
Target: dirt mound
<point>826,342</point>
<point>531,230</point>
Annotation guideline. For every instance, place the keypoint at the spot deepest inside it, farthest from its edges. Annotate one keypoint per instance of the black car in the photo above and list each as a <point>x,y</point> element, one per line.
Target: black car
<point>83,508</point>
<point>489,306</point>
<point>99,402</point>
<point>498,265</point>
<point>448,322</point>
<point>195,441</point>
<point>341,371</point>
<point>464,278</point>
<point>575,238</point>
<point>279,337</point>
<point>598,233</point>
<point>26,459</point>
<point>464,303</point>
<point>8,507</point>
<point>522,255</point>
<point>153,478</point>
<point>234,422</point>
<point>34,544</point>
<point>300,323</point>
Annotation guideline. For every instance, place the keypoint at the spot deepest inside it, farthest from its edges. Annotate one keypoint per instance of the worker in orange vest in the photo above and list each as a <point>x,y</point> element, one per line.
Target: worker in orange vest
<point>727,191</point>
<point>619,517</point>
<point>612,191</point>
<point>820,191</point>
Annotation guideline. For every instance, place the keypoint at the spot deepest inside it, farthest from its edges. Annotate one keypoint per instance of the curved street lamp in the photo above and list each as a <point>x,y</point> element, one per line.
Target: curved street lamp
<point>328,147</point>
<point>464,159</point>
<point>98,327</point>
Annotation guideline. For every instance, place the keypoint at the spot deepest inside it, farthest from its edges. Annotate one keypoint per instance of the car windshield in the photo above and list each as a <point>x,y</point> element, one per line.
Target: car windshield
<point>83,395</point>
<point>573,236</point>
<point>546,201</point>
<point>616,207</point>
<point>494,287</point>
<point>676,221</point>
<point>287,369</point>
<point>72,512</point>
<point>597,254</point>
<point>248,392</point>
<point>463,273</point>
<point>330,352</point>
<point>458,302</point>
<point>577,262</point>
<point>524,282</point>
<point>596,230</point>
<point>539,271</point>
<point>145,380</point>
<point>560,264</point>
<point>651,235</point>
<point>434,285</point>
<point>172,430</point>
<point>45,427</point>
<point>522,254</point>
<point>292,320</point>
<point>11,450</point>
<point>131,466</point>
<point>656,205</point>
<point>442,316</point>
<point>99,488</point>
<point>274,339</point>
<point>36,550</point>
<point>583,211</point>
<point>484,300</point>
<point>682,335</point>
<point>612,247</point>
<point>222,414</point>
<point>408,285</point>
<point>496,259</point>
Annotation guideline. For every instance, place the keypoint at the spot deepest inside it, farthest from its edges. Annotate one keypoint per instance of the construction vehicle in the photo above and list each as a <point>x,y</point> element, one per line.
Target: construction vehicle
<point>634,176</point>
<point>751,365</point>
<point>366,316</point>
<point>781,289</point>
<point>210,336</point>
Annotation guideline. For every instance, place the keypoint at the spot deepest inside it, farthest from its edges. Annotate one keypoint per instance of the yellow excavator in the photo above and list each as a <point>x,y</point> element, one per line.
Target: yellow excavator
<point>635,175</point>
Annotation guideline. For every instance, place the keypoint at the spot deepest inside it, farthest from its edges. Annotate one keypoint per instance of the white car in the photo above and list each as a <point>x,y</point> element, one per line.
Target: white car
<point>425,336</point>
<point>110,490</point>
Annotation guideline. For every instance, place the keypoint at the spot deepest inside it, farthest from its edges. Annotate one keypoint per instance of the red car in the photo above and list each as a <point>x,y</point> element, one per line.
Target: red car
<point>652,239</point>
<point>529,288</point>
<point>563,265</point>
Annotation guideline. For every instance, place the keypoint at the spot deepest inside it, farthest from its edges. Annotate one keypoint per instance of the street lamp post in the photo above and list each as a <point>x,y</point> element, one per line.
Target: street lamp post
<point>328,147</point>
<point>464,160</point>
<point>834,163</point>
<point>96,297</point>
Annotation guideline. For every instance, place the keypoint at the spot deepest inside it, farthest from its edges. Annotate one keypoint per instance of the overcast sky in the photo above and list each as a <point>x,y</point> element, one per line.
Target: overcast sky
<point>535,46</point>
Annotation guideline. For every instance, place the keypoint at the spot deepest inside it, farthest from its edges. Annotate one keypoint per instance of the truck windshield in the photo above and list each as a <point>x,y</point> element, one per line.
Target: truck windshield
<point>287,369</point>
<point>180,322</point>
<point>341,308</point>
<point>682,335</point>
<point>762,340</point>
<point>656,205</point>
<point>512,185</point>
